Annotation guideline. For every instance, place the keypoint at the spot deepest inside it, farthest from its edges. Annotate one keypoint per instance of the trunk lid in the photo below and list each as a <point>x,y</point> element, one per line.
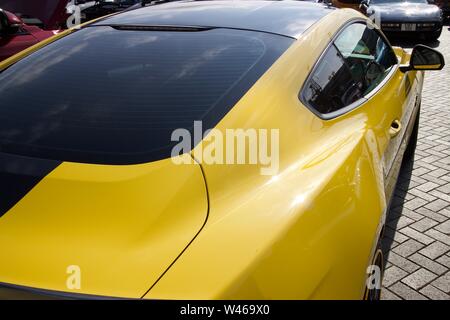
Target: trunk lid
<point>120,226</point>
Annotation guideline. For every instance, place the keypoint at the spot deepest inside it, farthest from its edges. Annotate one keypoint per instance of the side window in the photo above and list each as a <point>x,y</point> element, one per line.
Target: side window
<point>357,61</point>
<point>367,54</point>
<point>331,86</point>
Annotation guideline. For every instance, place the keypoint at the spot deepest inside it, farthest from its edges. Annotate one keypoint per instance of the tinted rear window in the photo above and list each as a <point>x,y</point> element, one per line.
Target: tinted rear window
<point>112,96</point>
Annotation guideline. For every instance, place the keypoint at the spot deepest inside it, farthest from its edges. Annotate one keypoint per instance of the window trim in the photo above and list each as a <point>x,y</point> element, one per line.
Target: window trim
<point>359,102</point>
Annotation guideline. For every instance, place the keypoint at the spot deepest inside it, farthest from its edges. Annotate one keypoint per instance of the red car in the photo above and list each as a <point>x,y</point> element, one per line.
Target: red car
<point>16,36</point>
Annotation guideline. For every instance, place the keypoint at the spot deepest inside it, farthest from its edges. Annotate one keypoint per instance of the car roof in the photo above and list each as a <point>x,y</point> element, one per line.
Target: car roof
<point>286,18</point>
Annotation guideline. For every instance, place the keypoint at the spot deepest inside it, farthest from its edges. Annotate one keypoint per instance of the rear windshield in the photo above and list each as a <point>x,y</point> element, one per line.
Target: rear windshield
<point>109,96</point>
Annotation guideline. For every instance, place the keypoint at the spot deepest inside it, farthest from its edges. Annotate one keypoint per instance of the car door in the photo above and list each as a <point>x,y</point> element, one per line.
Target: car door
<point>391,95</point>
<point>359,73</point>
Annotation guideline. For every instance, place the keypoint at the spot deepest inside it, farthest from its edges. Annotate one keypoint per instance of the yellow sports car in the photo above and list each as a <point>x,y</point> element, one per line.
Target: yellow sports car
<point>100,199</point>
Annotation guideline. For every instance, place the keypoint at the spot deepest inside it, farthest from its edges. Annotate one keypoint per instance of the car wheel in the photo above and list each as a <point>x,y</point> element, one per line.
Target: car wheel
<point>374,294</point>
<point>411,148</point>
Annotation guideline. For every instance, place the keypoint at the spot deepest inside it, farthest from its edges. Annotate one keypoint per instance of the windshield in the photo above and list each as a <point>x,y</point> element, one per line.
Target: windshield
<point>112,96</point>
<point>397,1</point>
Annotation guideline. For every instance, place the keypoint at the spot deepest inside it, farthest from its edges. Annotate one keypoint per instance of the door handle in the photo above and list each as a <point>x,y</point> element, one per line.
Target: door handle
<point>395,129</point>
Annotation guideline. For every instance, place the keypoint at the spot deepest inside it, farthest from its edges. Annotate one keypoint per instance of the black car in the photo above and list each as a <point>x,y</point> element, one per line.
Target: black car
<point>406,17</point>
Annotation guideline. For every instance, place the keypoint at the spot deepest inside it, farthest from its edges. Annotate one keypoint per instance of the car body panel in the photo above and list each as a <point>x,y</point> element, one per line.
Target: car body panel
<point>51,13</point>
<point>122,225</point>
<point>27,36</point>
<point>406,12</point>
<point>303,233</point>
<point>308,232</point>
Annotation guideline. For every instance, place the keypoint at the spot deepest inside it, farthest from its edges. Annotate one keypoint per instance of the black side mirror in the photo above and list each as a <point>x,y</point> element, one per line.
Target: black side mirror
<point>424,58</point>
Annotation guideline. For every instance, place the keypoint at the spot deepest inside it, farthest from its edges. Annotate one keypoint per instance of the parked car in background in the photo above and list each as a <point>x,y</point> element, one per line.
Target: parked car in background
<point>100,8</point>
<point>405,17</point>
<point>45,14</point>
<point>25,22</point>
<point>16,36</point>
<point>445,7</point>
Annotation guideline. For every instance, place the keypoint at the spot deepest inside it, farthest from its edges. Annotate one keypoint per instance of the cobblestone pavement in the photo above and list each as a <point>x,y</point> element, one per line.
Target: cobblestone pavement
<point>417,237</point>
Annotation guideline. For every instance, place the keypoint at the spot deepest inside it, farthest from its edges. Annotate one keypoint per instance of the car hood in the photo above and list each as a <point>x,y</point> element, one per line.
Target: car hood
<point>115,228</point>
<point>52,13</point>
<point>407,12</point>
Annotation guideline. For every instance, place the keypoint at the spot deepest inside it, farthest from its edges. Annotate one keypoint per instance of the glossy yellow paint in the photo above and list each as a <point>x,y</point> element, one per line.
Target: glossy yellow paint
<point>308,232</point>
<point>121,225</point>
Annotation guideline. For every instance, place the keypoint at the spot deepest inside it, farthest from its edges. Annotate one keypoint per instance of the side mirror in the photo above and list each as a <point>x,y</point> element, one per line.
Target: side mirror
<point>9,23</point>
<point>424,58</point>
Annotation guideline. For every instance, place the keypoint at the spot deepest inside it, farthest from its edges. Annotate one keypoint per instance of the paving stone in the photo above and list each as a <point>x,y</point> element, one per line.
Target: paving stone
<point>436,205</point>
<point>402,263</point>
<point>445,198</point>
<point>444,188</point>
<point>423,195</point>
<point>429,291</point>
<point>439,217</point>
<point>435,250</point>
<point>419,278</point>
<point>417,239</point>
<point>417,203</point>
<point>416,235</point>
<point>392,275</point>
<point>388,295</point>
<point>438,236</point>
<point>408,247</point>
<point>424,224</point>
<point>443,283</point>
<point>395,235</point>
<point>405,292</point>
<point>428,186</point>
<point>444,227</point>
<point>411,214</point>
<point>445,212</point>
<point>444,260</point>
<point>400,222</point>
<point>427,263</point>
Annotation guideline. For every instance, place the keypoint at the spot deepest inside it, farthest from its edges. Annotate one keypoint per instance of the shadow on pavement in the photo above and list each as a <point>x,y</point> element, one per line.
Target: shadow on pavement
<point>396,208</point>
